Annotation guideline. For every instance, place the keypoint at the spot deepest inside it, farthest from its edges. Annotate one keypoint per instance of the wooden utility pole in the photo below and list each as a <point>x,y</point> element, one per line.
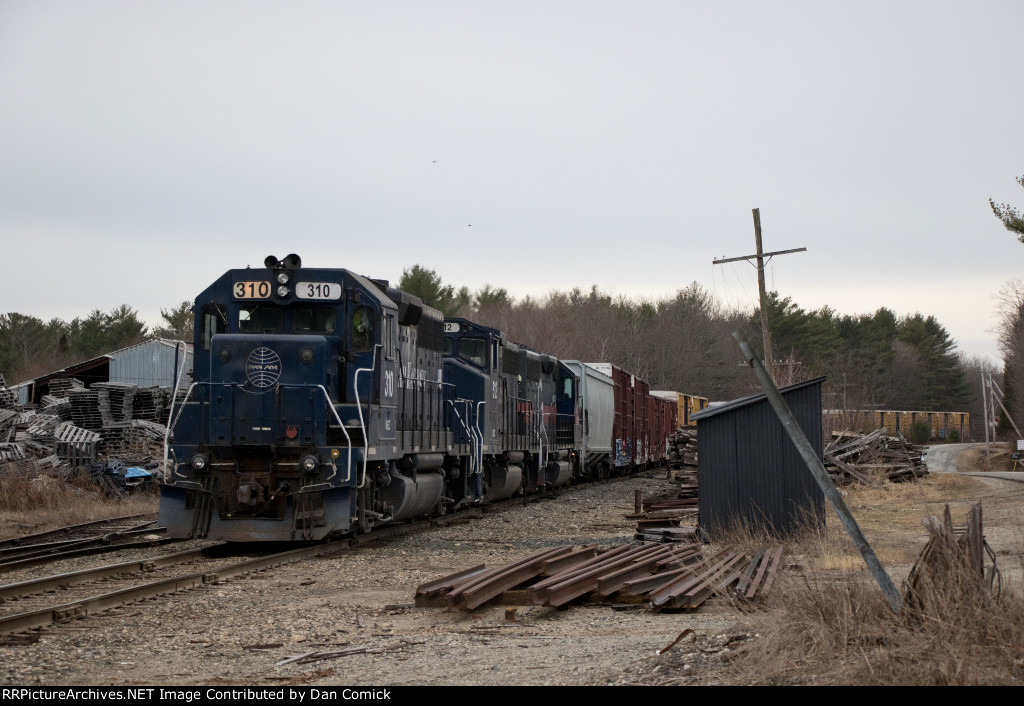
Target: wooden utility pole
<point>984,407</point>
<point>766,334</point>
<point>796,434</point>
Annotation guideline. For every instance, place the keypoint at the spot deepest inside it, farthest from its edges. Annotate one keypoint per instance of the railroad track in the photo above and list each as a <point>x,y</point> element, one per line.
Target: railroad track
<point>85,529</point>
<point>39,603</point>
<point>96,537</point>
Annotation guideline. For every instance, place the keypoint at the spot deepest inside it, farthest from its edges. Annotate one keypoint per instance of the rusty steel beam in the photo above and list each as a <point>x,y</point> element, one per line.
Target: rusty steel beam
<point>641,586</point>
<point>685,582</point>
<point>563,563</point>
<point>774,571</point>
<point>432,589</point>
<point>610,583</point>
<point>479,592</point>
<point>762,565</point>
<point>599,560</point>
<point>719,580</point>
<point>584,582</point>
<point>748,573</point>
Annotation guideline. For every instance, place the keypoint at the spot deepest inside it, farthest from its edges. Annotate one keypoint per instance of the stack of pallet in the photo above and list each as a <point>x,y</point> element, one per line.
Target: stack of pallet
<point>150,404</point>
<point>75,445</point>
<point>666,577</point>
<point>8,419</point>
<point>85,408</point>
<point>115,400</point>
<point>75,427</point>
<point>61,406</point>
<point>133,441</point>
<point>863,458</point>
<point>61,386</point>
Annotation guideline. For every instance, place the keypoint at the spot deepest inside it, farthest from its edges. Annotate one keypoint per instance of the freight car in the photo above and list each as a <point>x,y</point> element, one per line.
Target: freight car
<point>325,402</point>
<point>686,406</point>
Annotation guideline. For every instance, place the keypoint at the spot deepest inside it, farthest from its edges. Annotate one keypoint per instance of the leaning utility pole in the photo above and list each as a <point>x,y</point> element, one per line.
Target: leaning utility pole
<point>766,334</point>
<point>984,407</point>
<point>995,395</point>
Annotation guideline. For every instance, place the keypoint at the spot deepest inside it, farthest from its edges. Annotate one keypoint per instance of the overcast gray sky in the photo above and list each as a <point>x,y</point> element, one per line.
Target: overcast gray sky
<point>147,147</point>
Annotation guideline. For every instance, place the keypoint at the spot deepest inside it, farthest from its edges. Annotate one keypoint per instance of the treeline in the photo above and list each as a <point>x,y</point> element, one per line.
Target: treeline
<point>1011,343</point>
<point>684,342</point>
<point>30,347</point>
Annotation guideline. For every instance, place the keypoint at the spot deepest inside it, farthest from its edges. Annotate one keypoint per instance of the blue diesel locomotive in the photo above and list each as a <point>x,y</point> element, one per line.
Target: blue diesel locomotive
<point>325,402</point>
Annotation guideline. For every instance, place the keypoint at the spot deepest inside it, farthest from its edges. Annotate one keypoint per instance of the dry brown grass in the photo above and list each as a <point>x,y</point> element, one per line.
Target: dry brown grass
<point>30,505</point>
<point>837,628</point>
<point>890,516</point>
<point>973,458</point>
<point>829,623</point>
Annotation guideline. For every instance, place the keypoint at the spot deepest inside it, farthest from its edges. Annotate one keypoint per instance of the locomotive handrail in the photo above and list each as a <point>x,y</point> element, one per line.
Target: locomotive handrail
<point>174,396</point>
<point>171,423</point>
<point>542,436</point>
<point>359,408</point>
<point>474,442</point>
<point>480,447</point>
<point>348,460</point>
<point>330,405</point>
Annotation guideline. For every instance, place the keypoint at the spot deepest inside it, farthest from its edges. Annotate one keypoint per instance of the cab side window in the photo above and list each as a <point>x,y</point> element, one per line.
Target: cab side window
<point>473,350</point>
<point>211,321</point>
<point>362,329</point>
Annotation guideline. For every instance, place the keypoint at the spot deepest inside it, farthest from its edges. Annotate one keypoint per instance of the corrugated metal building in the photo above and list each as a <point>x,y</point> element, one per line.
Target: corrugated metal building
<point>155,362</point>
<point>151,363</point>
<point>749,471</point>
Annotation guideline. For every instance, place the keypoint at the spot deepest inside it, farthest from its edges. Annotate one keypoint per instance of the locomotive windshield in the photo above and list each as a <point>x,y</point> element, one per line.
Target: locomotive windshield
<point>260,319</point>
<point>474,350</point>
<point>306,319</point>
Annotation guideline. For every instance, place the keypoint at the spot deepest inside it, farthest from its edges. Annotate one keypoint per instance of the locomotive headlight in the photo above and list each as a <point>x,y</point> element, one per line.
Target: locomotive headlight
<point>224,354</point>
<point>282,291</point>
<point>199,462</point>
<point>309,464</point>
<point>306,355</point>
<point>282,278</point>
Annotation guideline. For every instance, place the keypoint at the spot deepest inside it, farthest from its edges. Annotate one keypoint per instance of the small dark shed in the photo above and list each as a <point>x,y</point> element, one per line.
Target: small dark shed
<point>748,468</point>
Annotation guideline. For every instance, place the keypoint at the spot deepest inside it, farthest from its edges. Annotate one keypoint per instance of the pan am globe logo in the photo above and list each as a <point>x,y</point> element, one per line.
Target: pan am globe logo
<point>263,368</point>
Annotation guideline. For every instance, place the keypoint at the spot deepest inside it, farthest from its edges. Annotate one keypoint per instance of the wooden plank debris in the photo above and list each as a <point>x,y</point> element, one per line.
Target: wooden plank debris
<point>861,458</point>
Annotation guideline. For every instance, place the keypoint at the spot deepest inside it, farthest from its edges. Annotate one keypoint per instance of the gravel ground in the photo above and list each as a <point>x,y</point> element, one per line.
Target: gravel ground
<point>240,632</point>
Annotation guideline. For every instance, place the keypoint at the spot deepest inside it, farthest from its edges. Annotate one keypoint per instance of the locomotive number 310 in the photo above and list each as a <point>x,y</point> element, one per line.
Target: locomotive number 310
<point>252,290</point>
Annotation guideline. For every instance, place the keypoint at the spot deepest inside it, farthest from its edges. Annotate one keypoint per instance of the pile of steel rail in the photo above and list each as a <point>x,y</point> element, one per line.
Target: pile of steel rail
<point>670,576</point>
<point>661,519</point>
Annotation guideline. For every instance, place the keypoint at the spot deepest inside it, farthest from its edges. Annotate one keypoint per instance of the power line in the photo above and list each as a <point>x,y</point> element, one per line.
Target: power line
<point>760,257</point>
